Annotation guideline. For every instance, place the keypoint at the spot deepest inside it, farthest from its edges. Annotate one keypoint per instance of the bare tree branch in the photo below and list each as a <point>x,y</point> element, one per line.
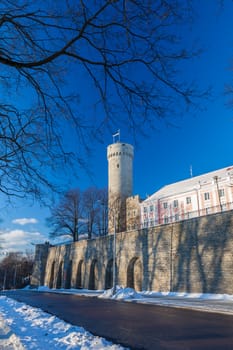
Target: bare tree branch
<point>80,213</point>
<point>128,52</point>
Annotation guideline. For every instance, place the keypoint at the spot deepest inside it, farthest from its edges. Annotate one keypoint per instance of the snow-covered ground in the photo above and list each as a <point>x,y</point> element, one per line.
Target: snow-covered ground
<point>25,327</point>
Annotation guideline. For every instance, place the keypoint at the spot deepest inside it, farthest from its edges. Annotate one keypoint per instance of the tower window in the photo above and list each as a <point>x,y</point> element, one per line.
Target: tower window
<point>117,165</point>
<point>206,196</point>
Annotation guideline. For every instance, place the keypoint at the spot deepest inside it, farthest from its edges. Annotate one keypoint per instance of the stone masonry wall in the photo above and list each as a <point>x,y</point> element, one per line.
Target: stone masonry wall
<point>41,258</point>
<point>195,255</point>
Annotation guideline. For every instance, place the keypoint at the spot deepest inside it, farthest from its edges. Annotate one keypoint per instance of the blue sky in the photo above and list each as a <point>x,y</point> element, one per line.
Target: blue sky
<point>201,139</point>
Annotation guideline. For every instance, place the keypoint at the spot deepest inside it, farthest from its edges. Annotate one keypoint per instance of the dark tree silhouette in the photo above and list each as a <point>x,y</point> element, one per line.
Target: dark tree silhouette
<point>95,211</point>
<point>80,213</point>
<point>15,270</point>
<point>126,51</point>
<point>66,218</point>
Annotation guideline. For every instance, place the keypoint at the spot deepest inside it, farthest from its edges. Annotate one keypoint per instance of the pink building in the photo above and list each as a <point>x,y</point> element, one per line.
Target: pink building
<point>197,196</point>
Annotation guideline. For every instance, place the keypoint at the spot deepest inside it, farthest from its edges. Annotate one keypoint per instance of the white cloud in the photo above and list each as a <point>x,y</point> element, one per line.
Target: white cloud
<point>25,221</point>
<point>20,240</point>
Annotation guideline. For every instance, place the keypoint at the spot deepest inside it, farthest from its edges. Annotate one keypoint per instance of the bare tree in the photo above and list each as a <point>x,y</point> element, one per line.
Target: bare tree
<point>25,158</point>
<point>95,209</point>
<point>15,270</point>
<point>116,213</point>
<point>127,53</point>
<point>66,218</point>
<point>90,205</point>
<point>80,213</point>
<point>102,217</point>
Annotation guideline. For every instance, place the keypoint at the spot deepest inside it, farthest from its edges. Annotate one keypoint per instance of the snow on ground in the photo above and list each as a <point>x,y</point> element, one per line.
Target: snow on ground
<point>120,294</point>
<point>220,303</point>
<point>23,327</point>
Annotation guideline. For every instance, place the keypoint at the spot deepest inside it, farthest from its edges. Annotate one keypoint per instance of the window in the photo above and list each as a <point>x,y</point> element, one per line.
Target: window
<point>177,217</point>
<point>145,209</point>
<point>175,203</point>
<point>221,192</point>
<point>165,220</point>
<point>151,207</point>
<point>188,200</point>
<point>206,196</point>
<point>165,205</point>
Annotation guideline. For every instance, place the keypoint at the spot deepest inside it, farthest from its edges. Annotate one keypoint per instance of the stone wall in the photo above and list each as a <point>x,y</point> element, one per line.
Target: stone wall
<point>41,259</point>
<point>195,255</point>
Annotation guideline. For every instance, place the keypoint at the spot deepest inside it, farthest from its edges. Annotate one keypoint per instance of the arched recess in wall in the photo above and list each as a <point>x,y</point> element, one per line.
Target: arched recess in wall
<point>134,274</point>
<point>59,276</point>
<point>68,275</point>
<point>93,275</point>
<point>109,274</point>
<point>79,279</point>
<point>51,281</point>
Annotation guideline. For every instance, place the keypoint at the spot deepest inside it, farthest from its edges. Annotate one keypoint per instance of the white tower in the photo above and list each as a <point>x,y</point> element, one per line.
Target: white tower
<point>120,182</point>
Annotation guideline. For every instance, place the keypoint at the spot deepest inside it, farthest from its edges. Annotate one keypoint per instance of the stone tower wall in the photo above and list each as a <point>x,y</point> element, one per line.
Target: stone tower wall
<point>120,183</point>
<point>120,169</point>
<point>195,255</point>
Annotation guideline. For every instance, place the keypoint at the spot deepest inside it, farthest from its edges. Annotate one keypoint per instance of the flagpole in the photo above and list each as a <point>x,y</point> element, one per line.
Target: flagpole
<point>115,135</point>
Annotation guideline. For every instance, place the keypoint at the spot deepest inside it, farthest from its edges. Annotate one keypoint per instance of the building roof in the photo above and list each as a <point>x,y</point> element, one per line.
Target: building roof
<point>190,184</point>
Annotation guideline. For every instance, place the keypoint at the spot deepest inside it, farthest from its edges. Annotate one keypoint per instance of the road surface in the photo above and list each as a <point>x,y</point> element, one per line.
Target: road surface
<point>138,326</point>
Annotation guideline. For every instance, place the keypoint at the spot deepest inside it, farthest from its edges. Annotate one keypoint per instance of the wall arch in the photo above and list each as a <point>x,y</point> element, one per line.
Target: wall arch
<point>59,276</point>
<point>134,274</point>
<point>109,275</point>
<point>68,275</point>
<point>51,280</point>
<point>93,275</point>
<point>79,278</point>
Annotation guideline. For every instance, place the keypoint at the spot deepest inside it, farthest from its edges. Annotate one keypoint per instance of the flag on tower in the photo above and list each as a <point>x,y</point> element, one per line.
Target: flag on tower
<point>115,135</point>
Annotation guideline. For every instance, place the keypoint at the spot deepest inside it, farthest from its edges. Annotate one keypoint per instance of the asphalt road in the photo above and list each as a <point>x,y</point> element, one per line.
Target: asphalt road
<point>137,326</point>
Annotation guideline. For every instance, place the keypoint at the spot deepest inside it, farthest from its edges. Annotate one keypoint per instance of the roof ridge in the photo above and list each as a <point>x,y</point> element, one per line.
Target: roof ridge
<point>189,181</point>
